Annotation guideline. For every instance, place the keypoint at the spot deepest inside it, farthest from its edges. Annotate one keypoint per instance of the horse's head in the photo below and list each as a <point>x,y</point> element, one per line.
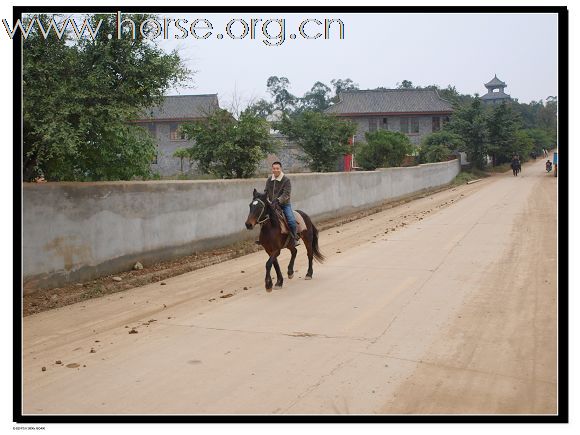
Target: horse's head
<point>258,210</point>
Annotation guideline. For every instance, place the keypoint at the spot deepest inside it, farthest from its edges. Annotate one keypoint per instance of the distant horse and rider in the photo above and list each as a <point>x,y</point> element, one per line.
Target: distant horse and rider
<point>516,165</point>
<point>281,227</point>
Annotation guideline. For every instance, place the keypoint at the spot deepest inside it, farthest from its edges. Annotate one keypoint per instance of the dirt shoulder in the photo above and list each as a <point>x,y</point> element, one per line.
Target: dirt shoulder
<point>404,212</point>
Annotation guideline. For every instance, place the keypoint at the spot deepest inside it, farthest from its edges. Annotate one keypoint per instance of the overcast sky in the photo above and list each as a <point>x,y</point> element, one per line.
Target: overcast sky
<point>464,50</point>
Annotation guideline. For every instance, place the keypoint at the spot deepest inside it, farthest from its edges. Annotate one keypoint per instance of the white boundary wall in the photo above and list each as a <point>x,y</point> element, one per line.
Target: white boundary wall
<point>78,231</point>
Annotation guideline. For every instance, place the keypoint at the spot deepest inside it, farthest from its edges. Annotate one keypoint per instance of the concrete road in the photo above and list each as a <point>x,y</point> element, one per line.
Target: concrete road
<point>446,304</point>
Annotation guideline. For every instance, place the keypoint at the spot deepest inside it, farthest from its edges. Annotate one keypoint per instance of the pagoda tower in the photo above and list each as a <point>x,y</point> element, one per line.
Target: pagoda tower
<point>495,93</point>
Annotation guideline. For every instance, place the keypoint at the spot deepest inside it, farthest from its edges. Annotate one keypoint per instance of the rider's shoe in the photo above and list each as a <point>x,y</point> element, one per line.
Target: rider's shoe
<point>295,238</point>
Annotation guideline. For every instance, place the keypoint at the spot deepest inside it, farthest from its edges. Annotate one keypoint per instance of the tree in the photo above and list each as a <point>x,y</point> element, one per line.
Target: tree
<point>523,145</point>
<point>317,99</point>
<point>322,137</point>
<point>547,117</point>
<point>278,89</point>
<point>541,139</point>
<point>181,153</point>
<point>80,96</point>
<point>261,108</point>
<point>406,84</point>
<point>470,124</point>
<point>383,149</point>
<point>528,112</point>
<point>436,147</point>
<point>229,147</point>
<point>340,85</point>
<point>502,125</point>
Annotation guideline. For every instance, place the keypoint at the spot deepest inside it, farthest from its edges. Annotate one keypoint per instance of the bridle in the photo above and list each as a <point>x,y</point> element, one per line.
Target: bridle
<point>263,210</point>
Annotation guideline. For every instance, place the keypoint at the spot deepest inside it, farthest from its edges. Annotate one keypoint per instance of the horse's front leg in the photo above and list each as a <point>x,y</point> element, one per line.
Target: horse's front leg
<point>294,251</point>
<point>268,269</point>
<point>279,277</point>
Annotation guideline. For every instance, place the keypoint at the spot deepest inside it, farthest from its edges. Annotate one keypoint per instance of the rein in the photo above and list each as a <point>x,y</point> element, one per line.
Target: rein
<point>263,210</point>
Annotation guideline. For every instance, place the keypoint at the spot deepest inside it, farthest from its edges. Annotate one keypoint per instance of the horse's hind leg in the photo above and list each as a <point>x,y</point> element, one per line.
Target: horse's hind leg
<point>294,251</point>
<point>279,277</point>
<point>310,271</point>
<point>308,245</point>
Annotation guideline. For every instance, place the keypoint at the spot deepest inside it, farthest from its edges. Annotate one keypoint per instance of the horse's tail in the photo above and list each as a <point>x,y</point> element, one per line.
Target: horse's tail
<point>315,248</point>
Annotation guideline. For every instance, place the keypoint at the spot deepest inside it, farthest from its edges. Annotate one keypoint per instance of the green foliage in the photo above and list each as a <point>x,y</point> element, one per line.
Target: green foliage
<point>181,153</point>
<point>436,147</point>
<point>322,137</point>
<point>317,99</point>
<point>405,84</point>
<point>548,115</point>
<point>465,176</point>
<point>340,85</point>
<point>227,147</point>
<point>278,89</point>
<point>383,149</point>
<point>502,125</point>
<point>523,145</point>
<point>541,139</point>
<point>470,124</point>
<point>261,108</point>
<point>79,96</point>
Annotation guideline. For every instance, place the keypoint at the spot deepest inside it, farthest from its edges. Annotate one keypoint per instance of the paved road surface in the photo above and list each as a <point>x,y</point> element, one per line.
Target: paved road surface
<point>444,305</point>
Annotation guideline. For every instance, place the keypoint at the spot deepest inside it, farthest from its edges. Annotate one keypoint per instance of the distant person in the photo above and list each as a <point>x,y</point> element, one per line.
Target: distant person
<point>548,166</point>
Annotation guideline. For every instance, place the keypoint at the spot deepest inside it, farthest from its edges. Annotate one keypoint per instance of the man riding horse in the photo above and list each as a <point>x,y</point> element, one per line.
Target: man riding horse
<point>516,164</point>
<point>264,212</point>
<point>278,189</point>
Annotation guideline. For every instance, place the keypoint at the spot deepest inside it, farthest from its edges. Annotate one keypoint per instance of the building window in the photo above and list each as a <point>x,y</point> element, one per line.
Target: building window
<point>409,124</point>
<point>151,128</point>
<point>175,132</point>
<point>372,124</point>
<point>414,125</point>
<point>385,124</point>
<point>435,123</point>
<point>445,120</point>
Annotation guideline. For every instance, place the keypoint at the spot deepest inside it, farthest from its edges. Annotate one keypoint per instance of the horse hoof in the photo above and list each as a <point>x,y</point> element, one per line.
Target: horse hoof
<point>290,276</point>
<point>277,287</point>
<point>268,289</point>
<point>307,277</point>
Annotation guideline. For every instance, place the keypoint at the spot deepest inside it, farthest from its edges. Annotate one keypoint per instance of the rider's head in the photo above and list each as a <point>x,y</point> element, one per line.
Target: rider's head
<point>276,169</point>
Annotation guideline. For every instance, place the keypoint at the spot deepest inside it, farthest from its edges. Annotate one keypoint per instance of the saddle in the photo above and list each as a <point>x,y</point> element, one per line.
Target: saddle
<point>300,224</point>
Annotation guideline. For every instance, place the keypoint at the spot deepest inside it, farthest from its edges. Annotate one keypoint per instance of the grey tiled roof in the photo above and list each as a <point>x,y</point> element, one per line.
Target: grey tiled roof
<point>495,96</point>
<point>390,101</point>
<point>183,106</point>
<point>495,82</point>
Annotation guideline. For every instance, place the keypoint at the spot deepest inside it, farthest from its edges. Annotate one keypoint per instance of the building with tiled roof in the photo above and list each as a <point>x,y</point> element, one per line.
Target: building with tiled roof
<point>163,122</point>
<point>414,112</point>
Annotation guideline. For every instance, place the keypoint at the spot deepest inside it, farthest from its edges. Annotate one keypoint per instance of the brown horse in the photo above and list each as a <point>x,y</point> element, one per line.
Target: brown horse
<point>273,241</point>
